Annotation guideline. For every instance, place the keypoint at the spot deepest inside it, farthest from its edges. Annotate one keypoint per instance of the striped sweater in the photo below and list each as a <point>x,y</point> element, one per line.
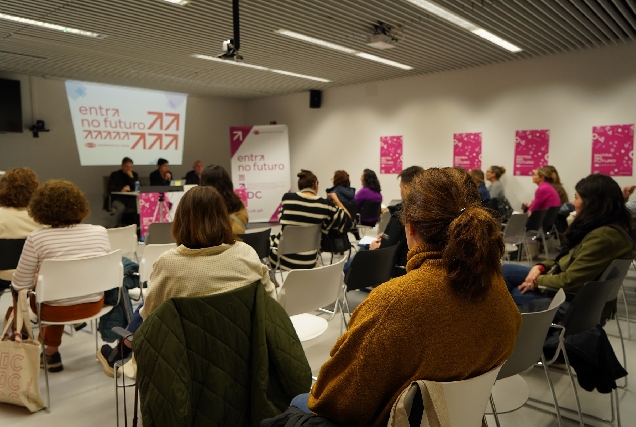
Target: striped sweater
<point>77,241</point>
<point>307,209</point>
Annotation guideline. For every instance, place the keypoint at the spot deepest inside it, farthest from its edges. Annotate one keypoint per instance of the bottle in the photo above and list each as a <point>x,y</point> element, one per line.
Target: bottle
<point>137,186</point>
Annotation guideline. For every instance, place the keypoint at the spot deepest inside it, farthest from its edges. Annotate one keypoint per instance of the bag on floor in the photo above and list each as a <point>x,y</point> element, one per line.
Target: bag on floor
<point>20,359</point>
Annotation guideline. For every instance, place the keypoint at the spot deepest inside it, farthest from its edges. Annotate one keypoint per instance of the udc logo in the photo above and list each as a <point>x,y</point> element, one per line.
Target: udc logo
<point>91,145</point>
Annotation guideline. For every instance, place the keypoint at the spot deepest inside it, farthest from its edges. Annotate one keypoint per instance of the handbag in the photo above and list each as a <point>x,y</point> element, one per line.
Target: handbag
<point>433,400</point>
<point>20,359</point>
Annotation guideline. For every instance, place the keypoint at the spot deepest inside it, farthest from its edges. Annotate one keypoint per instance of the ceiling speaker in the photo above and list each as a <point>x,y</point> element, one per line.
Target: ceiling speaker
<point>315,98</point>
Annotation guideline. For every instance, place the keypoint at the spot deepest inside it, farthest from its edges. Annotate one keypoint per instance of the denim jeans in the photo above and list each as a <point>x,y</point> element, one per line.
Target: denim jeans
<point>136,320</point>
<point>515,275</point>
<point>301,402</point>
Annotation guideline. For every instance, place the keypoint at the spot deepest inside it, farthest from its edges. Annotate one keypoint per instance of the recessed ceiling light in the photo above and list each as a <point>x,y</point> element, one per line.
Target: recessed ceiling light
<point>51,26</point>
<point>383,61</point>
<point>179,2</point>
<point>316,41</point>
<point>340,48</point>
<point>258,67</point>
<point>467,25</point>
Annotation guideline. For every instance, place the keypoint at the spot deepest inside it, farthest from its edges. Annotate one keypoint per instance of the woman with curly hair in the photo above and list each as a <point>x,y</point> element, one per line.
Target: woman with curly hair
<point>16,188</point>
<point>369,193</point>
<point>62,206</point>
<point>449,318</point>
<point>342,188</point>
<point>217,177</point>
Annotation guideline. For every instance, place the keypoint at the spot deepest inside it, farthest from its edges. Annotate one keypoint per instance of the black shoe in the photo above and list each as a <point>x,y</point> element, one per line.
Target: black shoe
<point>53,362</point>
<point>79,326</point>
<point>108,355</point>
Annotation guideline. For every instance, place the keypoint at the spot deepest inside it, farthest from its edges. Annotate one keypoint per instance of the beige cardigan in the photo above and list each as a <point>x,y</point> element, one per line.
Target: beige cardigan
<point>183,272</point>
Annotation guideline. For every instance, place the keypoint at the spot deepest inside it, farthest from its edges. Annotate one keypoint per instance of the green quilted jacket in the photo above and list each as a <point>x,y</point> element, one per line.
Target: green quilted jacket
<point>229,359</point>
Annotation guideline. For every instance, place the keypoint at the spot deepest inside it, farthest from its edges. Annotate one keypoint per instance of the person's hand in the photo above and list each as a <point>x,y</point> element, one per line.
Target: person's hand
<point>126,188</point>
<point>628,191</point>
<point>168,176</point>
<point>333,197</point>
<point>376,243</point>
<point>130,174</point>
<point>530,284</point>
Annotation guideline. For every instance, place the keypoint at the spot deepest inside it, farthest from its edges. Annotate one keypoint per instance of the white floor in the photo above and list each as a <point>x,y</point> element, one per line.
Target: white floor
<point>82,394</point>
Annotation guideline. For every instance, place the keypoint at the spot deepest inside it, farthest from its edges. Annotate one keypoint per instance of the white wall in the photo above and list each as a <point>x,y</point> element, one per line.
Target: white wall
<point>54,154</point>
<point>568,94</point>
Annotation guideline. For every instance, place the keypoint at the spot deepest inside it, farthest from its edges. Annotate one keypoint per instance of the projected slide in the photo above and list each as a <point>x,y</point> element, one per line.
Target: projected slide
<point>113,122</point>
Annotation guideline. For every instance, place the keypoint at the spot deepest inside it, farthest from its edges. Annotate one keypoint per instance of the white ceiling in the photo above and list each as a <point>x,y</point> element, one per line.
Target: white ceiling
<point>149,43</point>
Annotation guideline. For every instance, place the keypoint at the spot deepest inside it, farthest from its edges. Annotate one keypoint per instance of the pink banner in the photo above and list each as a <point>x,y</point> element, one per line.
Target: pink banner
<point>467,150</point>
<point>531,150</point>
<point>613,150</point>
<point>242,193</point>
<point>391,154</point>
<point>149,211</point>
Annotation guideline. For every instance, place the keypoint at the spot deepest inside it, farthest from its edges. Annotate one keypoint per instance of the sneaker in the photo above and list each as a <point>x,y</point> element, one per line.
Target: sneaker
<point>53,362</point>
<point>108,355</point>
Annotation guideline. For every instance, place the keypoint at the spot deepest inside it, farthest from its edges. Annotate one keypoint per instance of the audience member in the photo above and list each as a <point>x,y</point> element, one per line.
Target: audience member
<point>217,177</point>
<point>62,206</point>
<point>394,232</point>
<point>555,182</point>
<point>478,177</point>
<point>123,181</point>
<point>630,204</point>
<point>208,260</point>
<point>600,233</point>
<point>493,174</point>
<point>306,208</point>
<point>16,188</point>
<point>449,318</point>
<point>194,176</point>
<point>342,187</point>
<point>370,193</point>
<point>546,196</point>
<point>162,176</point>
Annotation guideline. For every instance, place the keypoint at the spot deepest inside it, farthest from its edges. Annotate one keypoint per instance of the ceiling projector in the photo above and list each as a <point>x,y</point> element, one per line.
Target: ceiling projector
<point>229,52</point>
<point>381,41</point>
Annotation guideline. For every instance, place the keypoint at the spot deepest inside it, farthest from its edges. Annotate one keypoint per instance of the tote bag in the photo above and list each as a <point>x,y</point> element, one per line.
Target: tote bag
<point>434,405</point>
<point>20,360</point>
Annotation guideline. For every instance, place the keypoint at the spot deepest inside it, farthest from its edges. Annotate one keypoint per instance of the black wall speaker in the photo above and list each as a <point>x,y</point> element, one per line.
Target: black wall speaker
<point>315,98</point>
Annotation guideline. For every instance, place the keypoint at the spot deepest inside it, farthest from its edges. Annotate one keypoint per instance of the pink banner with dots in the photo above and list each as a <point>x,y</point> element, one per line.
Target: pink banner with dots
<point>467,150</point>
<point>613,150</point>
<point>532,148</point>
<point>391,154</point>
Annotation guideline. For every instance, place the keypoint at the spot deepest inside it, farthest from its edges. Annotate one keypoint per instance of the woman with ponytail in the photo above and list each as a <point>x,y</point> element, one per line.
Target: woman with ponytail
<point>449,318</point>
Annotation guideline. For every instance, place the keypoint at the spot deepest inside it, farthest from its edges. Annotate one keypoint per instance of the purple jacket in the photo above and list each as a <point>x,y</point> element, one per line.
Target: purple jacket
<point>365,194</point>
<point>545,197</point>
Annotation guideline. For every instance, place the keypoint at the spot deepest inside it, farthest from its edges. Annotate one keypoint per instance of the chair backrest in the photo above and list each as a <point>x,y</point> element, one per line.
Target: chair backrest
<point>617,269</point>
<point>151,253</point>
<point>159,233</point>
<point>352,208</point>
<point>529,344</point>
<point>535,220</point>
<point>124,238</point>
<point>466,400</point>
<point>258,240</point>
<point>551,215</point>
<point>384,221</point>
<point>295,239</point>
<point>586,308</point>
<point>371,268</point>
<point>70,278</point>
<point>516,225</point>
<point>308,290</point>
<point>370,210</point>
<point>10,251</point>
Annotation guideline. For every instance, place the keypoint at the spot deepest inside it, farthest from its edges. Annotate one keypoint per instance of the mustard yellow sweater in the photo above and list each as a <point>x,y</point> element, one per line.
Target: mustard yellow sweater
<point>412,327</point>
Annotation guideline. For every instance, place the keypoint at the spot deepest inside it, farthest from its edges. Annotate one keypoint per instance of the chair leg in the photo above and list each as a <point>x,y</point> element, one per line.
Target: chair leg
<point>545,246</point>
<point>618,410</point>
<point>46,368</point>
<point>576,393</point>
<point>556,404</point>
<point>96,333</point>
<point>620,334</point>
<point>494,411</point>
<point>629,333</point>
<point>116,399</point>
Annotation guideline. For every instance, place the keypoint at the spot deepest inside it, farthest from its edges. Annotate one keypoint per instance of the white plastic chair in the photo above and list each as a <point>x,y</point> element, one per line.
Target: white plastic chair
<point>124,238</point>
<point>70,278</point>
<point>159,233</point>
<point>296,239</point>
<point>308,290</point>
<point>150,255</point>
<point>466,400</point>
